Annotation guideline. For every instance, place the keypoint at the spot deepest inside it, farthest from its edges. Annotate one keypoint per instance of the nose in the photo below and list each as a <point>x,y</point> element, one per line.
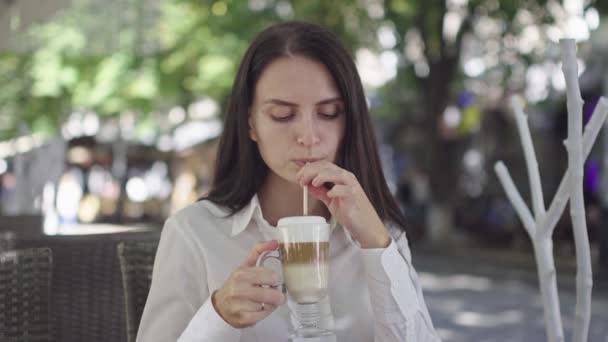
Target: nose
<point>307,132</point>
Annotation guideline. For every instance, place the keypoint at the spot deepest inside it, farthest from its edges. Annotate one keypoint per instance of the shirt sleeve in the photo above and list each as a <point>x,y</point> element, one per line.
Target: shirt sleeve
<point>179,305</point>
<point>396,295</point>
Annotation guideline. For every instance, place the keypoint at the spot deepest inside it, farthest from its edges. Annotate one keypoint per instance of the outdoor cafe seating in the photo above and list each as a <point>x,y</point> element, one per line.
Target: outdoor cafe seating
<point>86,285</point>
<point>136,263</point>
<point>25,284</point>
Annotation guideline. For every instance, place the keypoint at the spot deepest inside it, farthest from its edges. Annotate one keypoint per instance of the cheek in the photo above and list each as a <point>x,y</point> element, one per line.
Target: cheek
<point>272,141</point>
<point>335,135</point>
<point>273,134</point>
<point>336,140</point>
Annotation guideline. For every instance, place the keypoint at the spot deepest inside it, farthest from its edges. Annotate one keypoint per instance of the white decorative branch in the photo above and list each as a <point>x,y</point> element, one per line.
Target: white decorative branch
<point>540,228</point>
<point>584,280</point>
<point>515,198</point>
<point>534,176</point>
<point>561,197</point>
<point>547,277</point>
<point>543,245</point>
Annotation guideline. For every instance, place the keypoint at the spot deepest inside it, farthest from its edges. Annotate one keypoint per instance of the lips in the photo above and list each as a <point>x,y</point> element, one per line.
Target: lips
<point>302,162</point>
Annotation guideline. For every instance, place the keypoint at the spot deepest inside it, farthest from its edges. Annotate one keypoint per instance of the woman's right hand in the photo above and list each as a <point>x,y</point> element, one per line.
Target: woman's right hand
<point>243,300</point>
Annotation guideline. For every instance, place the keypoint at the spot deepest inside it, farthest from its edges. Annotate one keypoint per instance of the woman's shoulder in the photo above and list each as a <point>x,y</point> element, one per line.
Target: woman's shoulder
<point>203,217</point>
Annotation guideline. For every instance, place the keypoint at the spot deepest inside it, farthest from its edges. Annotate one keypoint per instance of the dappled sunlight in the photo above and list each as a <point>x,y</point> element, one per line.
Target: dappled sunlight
<point>476,319</point>
<point>446,334</point>
<point>500,305</point>
<point>450,305</point>
<point>434,282</point>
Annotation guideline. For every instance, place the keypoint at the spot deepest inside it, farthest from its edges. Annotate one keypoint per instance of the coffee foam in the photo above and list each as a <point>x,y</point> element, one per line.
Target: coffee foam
<point>303,229</point>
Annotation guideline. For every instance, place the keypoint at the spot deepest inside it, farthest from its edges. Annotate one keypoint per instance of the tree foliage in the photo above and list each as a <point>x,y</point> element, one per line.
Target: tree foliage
<point>191,50</point>
<point>110,60</point>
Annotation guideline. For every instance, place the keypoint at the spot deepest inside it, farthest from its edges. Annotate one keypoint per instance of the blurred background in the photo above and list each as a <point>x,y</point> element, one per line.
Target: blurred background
<point>110,113</point>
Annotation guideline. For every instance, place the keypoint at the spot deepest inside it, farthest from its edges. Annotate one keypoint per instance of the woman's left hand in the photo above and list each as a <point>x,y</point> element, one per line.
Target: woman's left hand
<point>346,201</point>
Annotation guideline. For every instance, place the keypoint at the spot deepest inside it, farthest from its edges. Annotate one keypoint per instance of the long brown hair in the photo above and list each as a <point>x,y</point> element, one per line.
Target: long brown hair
<point>240,170</point>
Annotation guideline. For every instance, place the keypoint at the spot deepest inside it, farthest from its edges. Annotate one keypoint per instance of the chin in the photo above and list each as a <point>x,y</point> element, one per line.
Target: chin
<point>285,175</point>
<point>291,178</point>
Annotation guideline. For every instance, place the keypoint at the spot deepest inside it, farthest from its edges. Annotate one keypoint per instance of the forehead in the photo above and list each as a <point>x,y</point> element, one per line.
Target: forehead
<point>297,79</point>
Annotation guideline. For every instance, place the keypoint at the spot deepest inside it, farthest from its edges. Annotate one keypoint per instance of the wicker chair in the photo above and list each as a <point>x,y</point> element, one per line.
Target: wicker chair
<point>7,241</point>
<point>87,301</point>
<point>136,263</point>
<point>25,282</point>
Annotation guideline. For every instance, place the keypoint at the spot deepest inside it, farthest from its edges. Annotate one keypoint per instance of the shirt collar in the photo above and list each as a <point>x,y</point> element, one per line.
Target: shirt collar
<point>241,219</point>
<point>253,210</point>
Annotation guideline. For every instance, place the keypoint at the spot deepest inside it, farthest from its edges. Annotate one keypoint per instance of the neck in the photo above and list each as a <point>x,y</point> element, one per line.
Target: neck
<point>280,198</point>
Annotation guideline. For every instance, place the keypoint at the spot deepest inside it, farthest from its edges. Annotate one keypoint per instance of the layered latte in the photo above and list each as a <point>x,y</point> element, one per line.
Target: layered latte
<point>304,253</point>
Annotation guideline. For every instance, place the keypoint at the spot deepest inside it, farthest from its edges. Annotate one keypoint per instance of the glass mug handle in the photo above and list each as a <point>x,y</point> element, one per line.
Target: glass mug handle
<point>273,254</point>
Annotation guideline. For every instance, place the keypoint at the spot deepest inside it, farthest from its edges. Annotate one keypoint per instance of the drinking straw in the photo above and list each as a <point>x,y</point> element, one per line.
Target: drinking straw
<point>305,194</point>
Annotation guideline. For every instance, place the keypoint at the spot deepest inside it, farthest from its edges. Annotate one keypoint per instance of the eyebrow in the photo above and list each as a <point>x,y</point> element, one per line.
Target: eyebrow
<point>291,104</point>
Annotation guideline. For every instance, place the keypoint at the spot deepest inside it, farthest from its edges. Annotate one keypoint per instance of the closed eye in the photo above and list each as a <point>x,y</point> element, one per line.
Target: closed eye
<point>330,116</point>
<point>283,118</point>
<point>330,110</point>
<point>280,113</point>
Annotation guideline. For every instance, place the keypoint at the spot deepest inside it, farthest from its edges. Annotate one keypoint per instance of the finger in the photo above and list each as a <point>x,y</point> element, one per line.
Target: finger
<point>340,191</point>
<point>248,319</point>
<point>332,175</point>
<point>310,170</point>
<point>257,250</point>
<point>269,307</point>
<point>247,306</point>
<point>258,276</point>
<point>251,306</point>
<point>319,193</point>
<point>305,175</point>
<point>265,295</point>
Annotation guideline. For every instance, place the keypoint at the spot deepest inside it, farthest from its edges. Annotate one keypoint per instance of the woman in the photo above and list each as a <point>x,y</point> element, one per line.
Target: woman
<point>297,117</point>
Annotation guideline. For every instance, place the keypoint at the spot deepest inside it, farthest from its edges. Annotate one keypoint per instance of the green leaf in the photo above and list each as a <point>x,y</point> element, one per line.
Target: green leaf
<point>111,73</point>
<point>145,84</point>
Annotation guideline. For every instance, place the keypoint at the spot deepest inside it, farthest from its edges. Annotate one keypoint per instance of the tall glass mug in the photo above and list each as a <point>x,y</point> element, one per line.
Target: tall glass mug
<point>304,256</point>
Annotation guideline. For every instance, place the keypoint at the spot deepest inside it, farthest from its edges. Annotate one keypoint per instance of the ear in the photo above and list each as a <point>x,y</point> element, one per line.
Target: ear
<point>252,133</point>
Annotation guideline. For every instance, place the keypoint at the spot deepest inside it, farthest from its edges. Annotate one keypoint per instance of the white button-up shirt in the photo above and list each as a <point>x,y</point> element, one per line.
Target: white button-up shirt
<point>374,294</point>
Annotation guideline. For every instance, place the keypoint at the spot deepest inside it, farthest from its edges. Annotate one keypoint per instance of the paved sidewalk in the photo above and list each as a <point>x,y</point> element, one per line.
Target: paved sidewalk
<point>480,295</point>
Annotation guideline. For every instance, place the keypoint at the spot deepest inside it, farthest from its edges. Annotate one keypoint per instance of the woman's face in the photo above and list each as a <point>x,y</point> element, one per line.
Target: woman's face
<point>297,115</point>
